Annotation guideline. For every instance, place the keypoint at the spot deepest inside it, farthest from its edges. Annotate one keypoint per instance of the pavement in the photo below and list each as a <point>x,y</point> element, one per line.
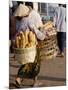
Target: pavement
<point>52,73</point>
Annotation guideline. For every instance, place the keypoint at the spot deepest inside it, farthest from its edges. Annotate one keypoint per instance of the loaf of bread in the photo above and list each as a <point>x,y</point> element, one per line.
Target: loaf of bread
<point>26,36</point>
<point>17,42</point>
<point>32,38</point>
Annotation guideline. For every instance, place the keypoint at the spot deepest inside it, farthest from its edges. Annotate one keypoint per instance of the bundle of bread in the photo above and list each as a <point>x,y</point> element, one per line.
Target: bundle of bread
<point>49,28</point>
<point>47,25</point>
<point>52,31</point>
<point>25,39</point>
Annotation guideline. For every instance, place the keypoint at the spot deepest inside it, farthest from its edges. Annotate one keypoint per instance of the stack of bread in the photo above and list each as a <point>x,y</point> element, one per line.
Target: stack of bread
<point>49,28</point>
<point>25,39</point>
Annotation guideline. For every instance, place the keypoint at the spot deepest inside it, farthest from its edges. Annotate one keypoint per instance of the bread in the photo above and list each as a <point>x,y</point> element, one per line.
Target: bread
<point>32,38</point>
<point>25,39</point>
<point>48,25</point>
<point>17,42</point>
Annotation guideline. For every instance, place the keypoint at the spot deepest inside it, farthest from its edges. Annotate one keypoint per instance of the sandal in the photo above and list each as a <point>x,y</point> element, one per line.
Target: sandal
<point>17,84</point>
<point>60,55</point>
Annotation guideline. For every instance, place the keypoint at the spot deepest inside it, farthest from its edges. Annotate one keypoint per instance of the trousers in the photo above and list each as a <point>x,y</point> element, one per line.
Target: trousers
<point>61,38</point>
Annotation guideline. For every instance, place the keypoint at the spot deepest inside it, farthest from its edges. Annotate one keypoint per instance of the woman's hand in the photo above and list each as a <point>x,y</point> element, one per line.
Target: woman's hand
<point>45,33</point>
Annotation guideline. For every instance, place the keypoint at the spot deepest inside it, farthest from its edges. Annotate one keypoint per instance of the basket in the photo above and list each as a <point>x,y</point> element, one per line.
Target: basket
<point>25,55</point>
<point>48,48</point>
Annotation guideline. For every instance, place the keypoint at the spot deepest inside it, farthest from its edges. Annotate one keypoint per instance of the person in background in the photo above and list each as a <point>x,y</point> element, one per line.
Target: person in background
<point>59,22</point>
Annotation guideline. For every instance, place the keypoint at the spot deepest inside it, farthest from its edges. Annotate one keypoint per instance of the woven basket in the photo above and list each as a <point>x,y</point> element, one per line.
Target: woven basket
<point>25,55</point>
<point>48,47</point>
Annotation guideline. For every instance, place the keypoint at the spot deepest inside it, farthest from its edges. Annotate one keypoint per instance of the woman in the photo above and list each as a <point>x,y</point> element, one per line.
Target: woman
<point>26,19</point>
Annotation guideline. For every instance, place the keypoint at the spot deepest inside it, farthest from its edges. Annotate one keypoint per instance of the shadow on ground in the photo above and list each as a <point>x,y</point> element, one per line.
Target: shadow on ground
<point>51,78</point>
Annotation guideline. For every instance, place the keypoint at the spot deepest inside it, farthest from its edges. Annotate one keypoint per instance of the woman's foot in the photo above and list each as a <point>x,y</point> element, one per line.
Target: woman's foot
<point>34,81</point>
<point>18,81</point>
<point>62,54</point>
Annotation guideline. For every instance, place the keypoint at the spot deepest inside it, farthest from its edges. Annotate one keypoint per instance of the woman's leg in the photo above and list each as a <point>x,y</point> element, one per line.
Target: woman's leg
<point>19,76</point>
<point>58,40</point>
<point>34,80</point>
<point>62,42</point>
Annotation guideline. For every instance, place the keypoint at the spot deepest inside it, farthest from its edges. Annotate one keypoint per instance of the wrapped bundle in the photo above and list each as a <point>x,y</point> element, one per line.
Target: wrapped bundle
<point>21,11</point>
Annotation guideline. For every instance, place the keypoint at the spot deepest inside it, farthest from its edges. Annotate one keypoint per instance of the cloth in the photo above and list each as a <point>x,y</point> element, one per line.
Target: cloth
<point>59,19</point>
<point>61,40</point>
<point>30,72</point>
<point>23,24</point>
<point>35,19</point>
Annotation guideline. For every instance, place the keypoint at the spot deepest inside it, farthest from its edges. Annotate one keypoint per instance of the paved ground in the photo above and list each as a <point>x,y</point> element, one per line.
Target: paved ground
<point>52,73</point>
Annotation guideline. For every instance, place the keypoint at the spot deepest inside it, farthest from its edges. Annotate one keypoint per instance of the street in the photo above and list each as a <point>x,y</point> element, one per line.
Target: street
<point>52,73</point>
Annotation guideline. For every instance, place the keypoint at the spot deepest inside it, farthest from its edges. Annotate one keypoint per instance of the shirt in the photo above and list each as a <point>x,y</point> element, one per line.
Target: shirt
<point>59,19</point>
<point>35,19</point>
